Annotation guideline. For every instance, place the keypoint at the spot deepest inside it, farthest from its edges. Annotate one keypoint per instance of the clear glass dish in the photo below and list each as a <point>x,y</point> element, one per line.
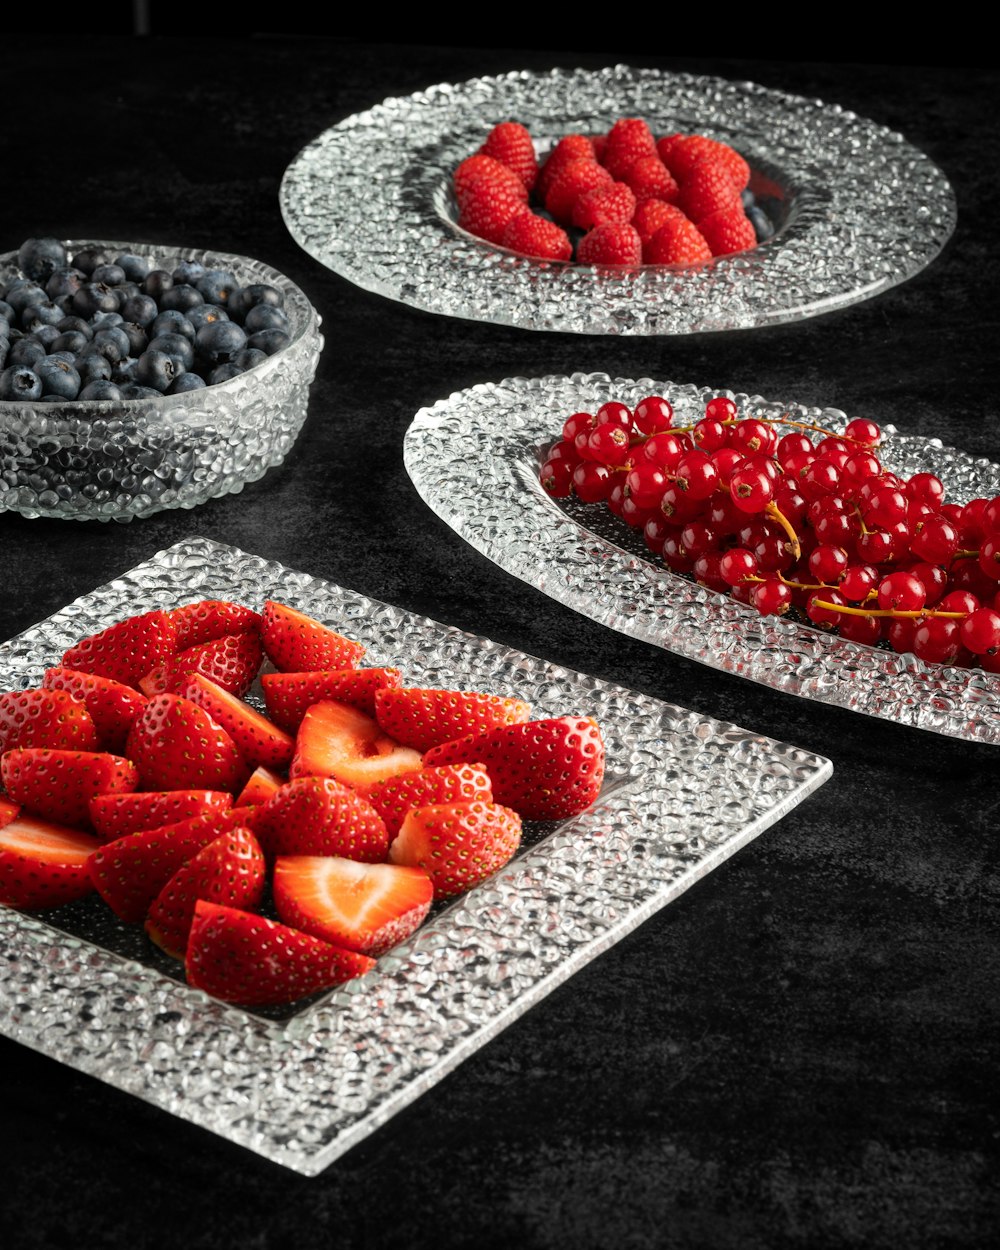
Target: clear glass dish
<point>858,208</point>
<point>475,459</point>
<point>683,792</point>
<point>112,461</point>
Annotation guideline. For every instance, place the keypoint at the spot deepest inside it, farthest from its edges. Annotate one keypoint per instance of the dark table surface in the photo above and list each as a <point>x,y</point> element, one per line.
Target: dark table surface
<point>800,1051</point>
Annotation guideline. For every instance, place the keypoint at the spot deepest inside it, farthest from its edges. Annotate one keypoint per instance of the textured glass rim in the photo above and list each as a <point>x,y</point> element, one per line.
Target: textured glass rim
<point>495,463</point>
<point>304,1060</point>
<point>306,321</point>
<point>440,268</point>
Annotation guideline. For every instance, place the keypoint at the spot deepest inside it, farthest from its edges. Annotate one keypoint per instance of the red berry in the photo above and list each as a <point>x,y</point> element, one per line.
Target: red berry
<point>902,592</point>
<point>614,244</point>
<point>653,415</point>
<point>575,180</point>
<point>727,231</point>
<point>706,189</point>
<point>613,202</point>
<point>511,145</point>
<point>677,242</point>
<point>531,235</point>
<point>650,215</point>
<point>650,179</point>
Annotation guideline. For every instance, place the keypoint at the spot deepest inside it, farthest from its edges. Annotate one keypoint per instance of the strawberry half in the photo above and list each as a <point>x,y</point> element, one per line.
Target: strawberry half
<point>112,705</point>
<point>544,769</point>
<point>457,844</point>
<point>231,662</point>
<point>364,907</point>
<point>424,718</point>
<point>125,651</point>
<point>289,696</point>
<point>43,864</point>
<point>229,871</point>
<point>451,783</point>
<point>340,742</point>
<point>242,958</point>
<point>176,745</point>
<point>297,643</point>
<point>257,740</point>
<point>118,815</point>
<point>262,786</point>
<point>207,619</point>
<point>45,718</point>
<point>58,785</point>
<point>317,816</point>
<point>129,872</point>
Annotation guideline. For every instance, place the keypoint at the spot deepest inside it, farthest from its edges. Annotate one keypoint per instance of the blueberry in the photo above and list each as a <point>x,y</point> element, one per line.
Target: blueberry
<point>100,390</point>
<point>172,322</point>
<point>220,341</point>
<point>134,267</point>
<point>112,343</point>
<point>64,282</point>
<point>76,323</point>
<point>747,198</point>
<point>70,341</point>
<point>93,367</point>
<point>248,297</point>
<point>88,259</point>
<point>269,341</point>
<point>138,339</point>
<point>206,314</point>
<point>106,320</point>
<point>124,371</point>
<point>6,312</point>
<point>222,373</point>
<point>177,347</point>
<point>68,357</point>
<point>183,298</point>
<point>58,378</point>
<point>46,335</point>
<point>110,275</point>
<point>38,258</point>
<point>156,283</point>
<point>128,290</point>
<point>761,223</point>
<point>139,392</point>
<point>26,352</point>
<point>19,382</point>
<point>156,369</point>
<point>186,382</point>
<point>4,349</point>
<point>188,272</point>
<point>20,295</point>
<point>44,313</point>
<point>265,317</point>
<point>142,309</point>
<point>216,286</point>
<point>93,298</point>
<point>249,358</point>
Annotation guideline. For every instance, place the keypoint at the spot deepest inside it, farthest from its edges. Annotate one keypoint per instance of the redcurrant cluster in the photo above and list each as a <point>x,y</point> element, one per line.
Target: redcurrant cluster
<point>784,522</point>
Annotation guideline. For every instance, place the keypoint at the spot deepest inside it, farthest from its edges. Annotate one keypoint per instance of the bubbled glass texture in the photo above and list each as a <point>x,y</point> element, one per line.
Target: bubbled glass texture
<point>860,208</point>
<point>475,459</point>
<point>112,461</point>
<point>683,792</point>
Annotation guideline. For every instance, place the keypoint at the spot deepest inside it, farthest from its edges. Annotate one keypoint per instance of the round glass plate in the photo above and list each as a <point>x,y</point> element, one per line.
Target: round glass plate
<point>475,459</point>
<point>858,208</point>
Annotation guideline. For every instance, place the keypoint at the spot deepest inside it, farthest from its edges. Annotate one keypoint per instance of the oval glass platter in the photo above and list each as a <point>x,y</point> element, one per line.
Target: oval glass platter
<point>475,459</point>
<point>302,1084</point>
<point>858,209</point>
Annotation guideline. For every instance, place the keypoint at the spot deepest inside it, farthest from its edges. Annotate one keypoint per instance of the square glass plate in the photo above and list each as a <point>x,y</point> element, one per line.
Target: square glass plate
<point>683,792</point>
<point>475,459</point>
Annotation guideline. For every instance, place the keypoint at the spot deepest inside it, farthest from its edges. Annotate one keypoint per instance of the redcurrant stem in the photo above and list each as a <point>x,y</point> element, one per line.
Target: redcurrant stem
<point>894,612</point>
<point>772,510</point>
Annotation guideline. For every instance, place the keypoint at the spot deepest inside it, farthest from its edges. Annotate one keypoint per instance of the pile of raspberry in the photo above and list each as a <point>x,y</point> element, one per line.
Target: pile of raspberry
<point>626,197</point>
<point>796,522</point>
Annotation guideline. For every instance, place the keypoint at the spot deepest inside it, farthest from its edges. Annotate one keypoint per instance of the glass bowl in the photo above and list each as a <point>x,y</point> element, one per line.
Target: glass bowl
<point>112,461</point>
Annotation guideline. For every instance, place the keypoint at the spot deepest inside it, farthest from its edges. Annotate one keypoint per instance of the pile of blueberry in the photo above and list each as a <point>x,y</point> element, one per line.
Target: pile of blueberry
<point>110,328</point>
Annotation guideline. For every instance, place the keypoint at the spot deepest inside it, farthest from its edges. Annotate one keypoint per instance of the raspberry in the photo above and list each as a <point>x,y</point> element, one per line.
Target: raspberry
<point>650,215</point>
<point>603,205</point>
<point>629,139</point>
<point>510,144</point>
<point>681,155</point>
<point>707,188</point>
<point>650,179</point>
<point>475,168</point>
<point>600,143</point>
<point>679,242</point>
<point>728,231</point>
<point>570,148</point>
<point>531,235</point>
<point>576,179</point>
<point>613,244</point>
<point>489,205</point>
<point>665,145</point>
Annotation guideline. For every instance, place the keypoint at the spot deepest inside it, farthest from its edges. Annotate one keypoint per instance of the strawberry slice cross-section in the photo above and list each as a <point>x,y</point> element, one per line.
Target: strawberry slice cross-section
<point>43,864</point>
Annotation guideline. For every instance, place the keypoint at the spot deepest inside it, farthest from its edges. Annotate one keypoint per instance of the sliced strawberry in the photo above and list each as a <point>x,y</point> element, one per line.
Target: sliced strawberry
<point>364,907</point>
<point>117,815</point>
<point>130,872</point>
<point>177,746</point>
<point>544,769</point>
<point>228,871</point>
<point>8,811</point>
<point>457,844</point>
<point>231,662</point>
<point>58,785</point>
<point>296,643</point>
<point>451,783</point>
<point>45,718</point>
<point>112,705</point>
<point>125,651</point>
<point>340,742</point>
<point>242,958</point>
<point>263,785</point>
<point>424,718</point>
<point>258,741</point>
<point>43,864</point>
<point>317,816</point>
<point>211,618</point>
<point>290,695</point>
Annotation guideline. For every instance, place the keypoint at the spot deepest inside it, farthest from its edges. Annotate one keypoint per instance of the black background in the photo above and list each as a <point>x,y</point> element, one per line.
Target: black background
<point>801,1051</point>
